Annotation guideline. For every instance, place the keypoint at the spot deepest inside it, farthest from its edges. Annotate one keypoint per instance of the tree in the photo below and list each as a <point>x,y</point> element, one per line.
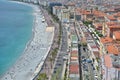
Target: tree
<point>42,76</point>
<point>100,35</point>
<point>52,56</point>
<point>51,61</point>
<point>96,8</point>
<point>84,44</point>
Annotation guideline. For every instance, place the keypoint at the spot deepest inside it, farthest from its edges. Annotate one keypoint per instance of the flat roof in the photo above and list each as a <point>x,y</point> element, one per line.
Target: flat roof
<point>74,38</point>
<point>74,59</point>
<point>74,68</point>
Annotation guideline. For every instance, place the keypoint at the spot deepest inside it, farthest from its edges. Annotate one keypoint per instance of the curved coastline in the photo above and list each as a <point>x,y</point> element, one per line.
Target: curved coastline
<point>31,58</point>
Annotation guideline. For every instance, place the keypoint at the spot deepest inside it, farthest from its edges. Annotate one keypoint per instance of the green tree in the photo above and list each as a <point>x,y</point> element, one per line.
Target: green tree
<point>51,61</point>
<point>100,35</point>
<point>96,8</point>
<point>42,76</point>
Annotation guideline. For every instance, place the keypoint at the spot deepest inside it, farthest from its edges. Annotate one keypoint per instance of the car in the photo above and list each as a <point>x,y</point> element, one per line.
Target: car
<point>91,64</point>
<point>59,60</point>
<point>96,76</point>
<point>89,61</point>
<point>84,60</point>
<point>59,64</point>
<point>65,58</point>
<point>54,71</point>
<point>82,57</point>
<point>55,68</point>
<point>90,30</point>
<point>85,67</point>
<point>93,68</point>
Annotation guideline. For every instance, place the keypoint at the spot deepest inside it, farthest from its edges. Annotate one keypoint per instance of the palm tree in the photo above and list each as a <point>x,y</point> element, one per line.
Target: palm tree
<point>53,54</point>
<point>51,61</point>
<point>51,58</point>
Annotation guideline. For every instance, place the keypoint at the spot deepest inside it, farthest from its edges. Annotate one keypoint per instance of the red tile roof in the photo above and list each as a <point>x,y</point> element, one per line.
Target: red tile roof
<point>112,49</point>
<point>106,39</point>
<point>85,12</point>
<point>115,26</point>
<point>111,17</point>
<point>74,52</point>
<point>98,25</point>
<point>117,35</point>
<point>99,13</point>
<point>74,69</point>
<point>108,62</point>
<point>111,23</point>
<point>117,14</point>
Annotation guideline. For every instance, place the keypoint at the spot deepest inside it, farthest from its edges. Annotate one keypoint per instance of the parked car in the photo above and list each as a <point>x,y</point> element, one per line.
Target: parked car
<point>89,61</point>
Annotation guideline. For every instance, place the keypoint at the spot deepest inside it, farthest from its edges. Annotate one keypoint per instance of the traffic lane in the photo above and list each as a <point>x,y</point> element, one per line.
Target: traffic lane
<point>63,48</point>
<point>93,37</point>
<point>90,70</point>
<point>87,67</point>
<point>59,62</point>
<point>59,65</point>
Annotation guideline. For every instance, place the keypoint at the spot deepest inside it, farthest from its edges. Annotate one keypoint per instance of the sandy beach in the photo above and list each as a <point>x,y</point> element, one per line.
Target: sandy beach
<point>31,60</point>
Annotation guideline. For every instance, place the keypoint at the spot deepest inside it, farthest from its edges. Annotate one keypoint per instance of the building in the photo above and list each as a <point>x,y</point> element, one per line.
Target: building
<point>104,41</point>
<point>110,72</point>
<point>74,73</point>
<point>73,68</point>
<point>65,15</point>
<point>52,4</point>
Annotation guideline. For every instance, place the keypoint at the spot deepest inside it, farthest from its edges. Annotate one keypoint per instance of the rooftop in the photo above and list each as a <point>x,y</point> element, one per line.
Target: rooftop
<point>74,69</point>
<point>74,59</point>
<point>106,40</point>
<point>112,49</point>
<point>107,60</point>
<point>74,39</point>
<point>85,12</point>
<point>111,23</point>
<point>70,4</point>
<point>99,13</point>
<point>112,61</point>
<point>58,7</point>
<point>117,35</point>
<point>114,26</point>
<point>117,14</point>
<point>111,17</point>
<point>98,25</point>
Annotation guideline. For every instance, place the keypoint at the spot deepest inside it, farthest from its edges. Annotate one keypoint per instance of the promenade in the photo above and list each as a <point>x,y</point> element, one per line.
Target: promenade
<point>47,66</point>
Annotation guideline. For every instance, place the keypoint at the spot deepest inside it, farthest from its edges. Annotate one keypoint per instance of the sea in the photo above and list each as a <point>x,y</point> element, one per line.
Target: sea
<point>16,22</point>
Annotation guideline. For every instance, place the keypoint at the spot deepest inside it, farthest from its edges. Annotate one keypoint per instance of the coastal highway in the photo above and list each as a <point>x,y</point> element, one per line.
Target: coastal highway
<point>59,65</point>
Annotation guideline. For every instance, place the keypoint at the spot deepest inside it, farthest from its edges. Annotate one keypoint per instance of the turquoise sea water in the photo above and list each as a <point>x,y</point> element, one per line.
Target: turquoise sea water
<point>16,21</point>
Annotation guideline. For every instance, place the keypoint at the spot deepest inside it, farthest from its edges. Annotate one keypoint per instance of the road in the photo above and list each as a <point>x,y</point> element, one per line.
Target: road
<point>60,62</point>
<point>87,67</point>
<point>90,71</point>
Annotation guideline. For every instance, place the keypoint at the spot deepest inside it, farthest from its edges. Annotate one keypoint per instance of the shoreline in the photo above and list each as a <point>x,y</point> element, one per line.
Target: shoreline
<point>29,51</point>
